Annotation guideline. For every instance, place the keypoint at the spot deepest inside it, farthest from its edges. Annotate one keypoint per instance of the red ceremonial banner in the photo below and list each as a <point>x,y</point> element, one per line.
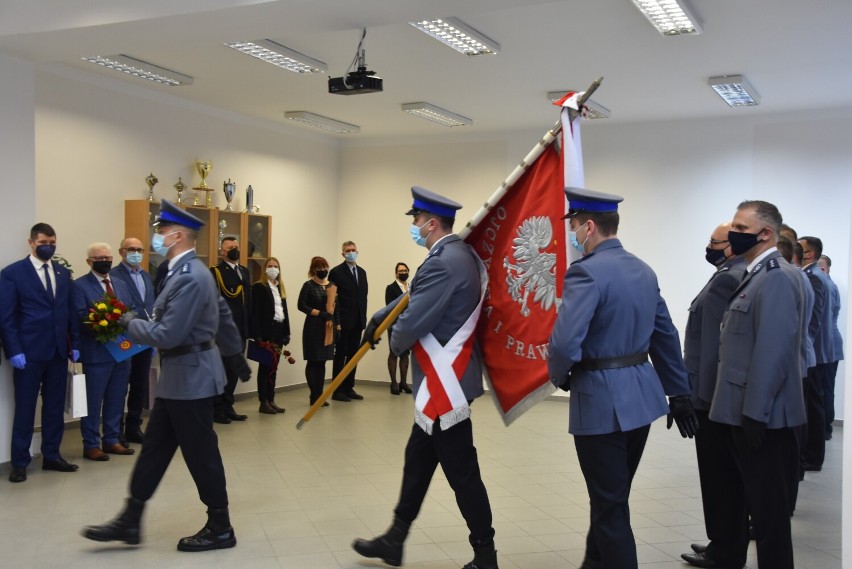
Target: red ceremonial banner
<point>522,242</point>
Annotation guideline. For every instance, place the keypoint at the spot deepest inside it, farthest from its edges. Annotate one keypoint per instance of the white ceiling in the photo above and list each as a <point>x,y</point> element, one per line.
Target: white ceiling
<point>798,56</point>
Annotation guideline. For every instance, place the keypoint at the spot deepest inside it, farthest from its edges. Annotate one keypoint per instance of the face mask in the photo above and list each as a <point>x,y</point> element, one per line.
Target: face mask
<point>272,272</point>
<point>101,267</point>
<point>157,243</point>
<point>742,242</point>
<point>134,258</point>
<point>322,274</point>
<point>715,256</point>
<point>45,252</point>
<point>415,234</point>
<point>402,277</point>
<point>233,255</point>
<point>351,256</point>
<point>580,247</point>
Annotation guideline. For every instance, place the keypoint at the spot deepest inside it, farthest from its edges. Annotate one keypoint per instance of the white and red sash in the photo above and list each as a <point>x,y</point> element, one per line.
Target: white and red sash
<point>440,396</point>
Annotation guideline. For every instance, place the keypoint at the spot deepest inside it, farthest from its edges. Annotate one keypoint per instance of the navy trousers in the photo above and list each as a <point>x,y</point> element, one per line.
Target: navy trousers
<point>50,378</point>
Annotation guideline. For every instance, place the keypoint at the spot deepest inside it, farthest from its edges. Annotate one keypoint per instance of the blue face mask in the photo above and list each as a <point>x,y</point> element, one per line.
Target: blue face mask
<point>415,234</point>
<point>572,235</point>
<point>157,243</point>
<point>134,259</point>
<point>351,256</point>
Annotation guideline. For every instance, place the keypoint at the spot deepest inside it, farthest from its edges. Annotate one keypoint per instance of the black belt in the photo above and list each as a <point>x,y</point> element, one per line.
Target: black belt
<point>592,364</point>
<point>183,350</point>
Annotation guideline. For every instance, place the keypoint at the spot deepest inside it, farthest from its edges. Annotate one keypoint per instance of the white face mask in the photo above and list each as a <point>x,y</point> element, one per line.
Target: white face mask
<point>272,272</point>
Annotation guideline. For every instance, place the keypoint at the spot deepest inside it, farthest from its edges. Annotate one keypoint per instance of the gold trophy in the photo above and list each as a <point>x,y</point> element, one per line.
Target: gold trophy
<point>180,187</point>
<point>203,168</point>
<point>151,180</point>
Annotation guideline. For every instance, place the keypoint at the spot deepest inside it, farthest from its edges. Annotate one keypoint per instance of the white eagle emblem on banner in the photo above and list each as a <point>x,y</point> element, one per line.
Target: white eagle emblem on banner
<point>533,272</point>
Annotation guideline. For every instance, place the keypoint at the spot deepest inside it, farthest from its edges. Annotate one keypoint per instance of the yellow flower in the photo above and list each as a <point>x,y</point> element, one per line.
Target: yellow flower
<point>116,311</point>
<point>101,306</point>
<point>91,315</point>
<point>103,323</point>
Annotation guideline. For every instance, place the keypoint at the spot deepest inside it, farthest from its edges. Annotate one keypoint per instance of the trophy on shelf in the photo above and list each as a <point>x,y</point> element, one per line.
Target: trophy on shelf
<point>180,187</point>
<point>222,225</point>
<point>203,168</point>
<point>230,189</point>
<point>151,180</point>
<point>250,199</point>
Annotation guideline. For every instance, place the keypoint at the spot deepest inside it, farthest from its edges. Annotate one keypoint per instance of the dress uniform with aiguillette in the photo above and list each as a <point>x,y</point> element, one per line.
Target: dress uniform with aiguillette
<point>191,325</point>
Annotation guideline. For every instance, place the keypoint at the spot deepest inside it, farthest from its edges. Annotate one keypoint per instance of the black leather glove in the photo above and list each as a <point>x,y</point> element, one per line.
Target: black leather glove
<point>682,413</point>
<point>370,333</point>
<point>238,366</point>
<point>327,316</point>
<point>755,432</point>
<point>125,319</point>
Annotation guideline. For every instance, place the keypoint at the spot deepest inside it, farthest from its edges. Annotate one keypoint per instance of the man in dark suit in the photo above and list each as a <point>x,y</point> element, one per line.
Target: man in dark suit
<point>106,378</point>
<point>438,326</point>
<point>234,283</point>
<point>759,389</point>
<point>141,290</point>
<point>39,329</point>
<point>351,282</point>
<point>717,470</point>
<point>192,328</point>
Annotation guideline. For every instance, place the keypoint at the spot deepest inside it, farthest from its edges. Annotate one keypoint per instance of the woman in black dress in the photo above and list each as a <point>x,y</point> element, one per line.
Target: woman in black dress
<point>313,301</point>
<point>270,325</point>
<point>394,290</point>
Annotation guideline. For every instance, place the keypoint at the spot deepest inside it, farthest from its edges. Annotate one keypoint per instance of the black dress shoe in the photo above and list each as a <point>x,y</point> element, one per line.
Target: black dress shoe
<point>59,465</point>
<point>701,560</point>
<point>18,474</point>
<point>217,533</point>
<point>122,440</point>
<point>134,435</point>
<point>221,419</point>
<point>234,416</point>
<point>698,548</point>
<point>340,397</point>
<point>808,467</point>
<point>354,396</point>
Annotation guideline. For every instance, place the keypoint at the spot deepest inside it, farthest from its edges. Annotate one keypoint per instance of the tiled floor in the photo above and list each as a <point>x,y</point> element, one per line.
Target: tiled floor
<point>299,497</point>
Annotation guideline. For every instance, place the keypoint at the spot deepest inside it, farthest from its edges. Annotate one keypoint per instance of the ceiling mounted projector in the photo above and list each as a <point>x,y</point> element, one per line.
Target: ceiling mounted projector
<point>356,82</point>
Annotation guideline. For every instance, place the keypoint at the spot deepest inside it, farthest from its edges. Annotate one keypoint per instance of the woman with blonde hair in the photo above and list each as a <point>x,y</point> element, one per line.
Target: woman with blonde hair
<point>270,326</point>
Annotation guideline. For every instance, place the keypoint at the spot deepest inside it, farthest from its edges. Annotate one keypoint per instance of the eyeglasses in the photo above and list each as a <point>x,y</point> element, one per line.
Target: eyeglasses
<point>134,249</point>
<point>102,258</point>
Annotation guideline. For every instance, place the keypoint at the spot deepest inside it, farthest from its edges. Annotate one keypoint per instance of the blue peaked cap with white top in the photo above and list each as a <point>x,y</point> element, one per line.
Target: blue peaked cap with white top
<point>427,201</point>
<point>581,200</point>
<point>170,214</point>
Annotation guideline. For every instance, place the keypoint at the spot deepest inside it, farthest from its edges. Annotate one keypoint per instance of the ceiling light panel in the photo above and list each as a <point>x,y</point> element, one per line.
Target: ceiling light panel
<point>458,35</point>
<point>670,17</point>
<point>735,90</point>
<point>279,55</point>
<point>436,114</point>
<point>322,122</point>
<point>140,69</point>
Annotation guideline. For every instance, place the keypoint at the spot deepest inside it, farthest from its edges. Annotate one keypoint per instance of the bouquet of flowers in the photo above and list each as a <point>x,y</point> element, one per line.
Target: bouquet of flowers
<point>103,317</point>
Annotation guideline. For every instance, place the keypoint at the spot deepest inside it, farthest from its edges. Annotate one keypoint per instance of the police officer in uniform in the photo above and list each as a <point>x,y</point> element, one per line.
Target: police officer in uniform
<point>190,320</point>
<point>445,300</point>
<point>724,519</point>
<point>759,381</point>
<point>611,320</point>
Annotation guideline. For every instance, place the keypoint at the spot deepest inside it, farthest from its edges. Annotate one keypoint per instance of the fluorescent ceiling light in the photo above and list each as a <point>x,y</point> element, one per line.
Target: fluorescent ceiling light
<point>670,17</point>
<point>277,54</point>
<point>436,114</point>
<point>322,122</point>
<point>595,109</point>
<point>458,35</point>
<point>735,90</point>
<point>141,69</point>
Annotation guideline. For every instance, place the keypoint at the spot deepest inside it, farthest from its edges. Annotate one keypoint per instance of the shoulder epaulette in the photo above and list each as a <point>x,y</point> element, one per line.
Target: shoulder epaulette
<point>772,264</point>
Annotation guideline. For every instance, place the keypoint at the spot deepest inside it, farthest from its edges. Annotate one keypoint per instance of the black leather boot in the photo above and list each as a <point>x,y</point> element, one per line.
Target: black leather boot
<point>387,547</point>
<point>126,527</point>
<point>484,556</point>
<point>217,533</point>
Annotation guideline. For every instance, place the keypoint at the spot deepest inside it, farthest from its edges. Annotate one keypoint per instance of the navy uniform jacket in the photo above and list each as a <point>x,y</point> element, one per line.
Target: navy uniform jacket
<point>820,325</point>
<point>444,293</point>
<point>32,324</point>
<point>701,340</point>
<point>239,305</point>
<point>88,289</point>
<point>760,375</point>
<point>835,314</point>
<point>189,311</point>
<point>351,296</point>
<point>611,306</point>
<point>144,306</point>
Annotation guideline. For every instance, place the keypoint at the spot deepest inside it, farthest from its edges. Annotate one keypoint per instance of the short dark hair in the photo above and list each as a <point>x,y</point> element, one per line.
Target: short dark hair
<point>785,227</point>
<point>42,228</point>
<point>446,223</point>
<point>766,212</point>
<point>222,243</point>
<point>814,243</point>
<point>785,247</point>
<point>827,260</point>
<point>798,252</point>
<point>398,265</point>
<point>606,221</point>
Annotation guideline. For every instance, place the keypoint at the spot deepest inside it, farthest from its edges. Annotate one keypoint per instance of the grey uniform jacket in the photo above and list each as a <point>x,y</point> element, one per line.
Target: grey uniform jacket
<point>701,340</point>
<point>444,292</point>
<point>808,354</point>
<point>821,323</point>
<point>835,314</point>
<point>760,369</point>
<point>189,311</point>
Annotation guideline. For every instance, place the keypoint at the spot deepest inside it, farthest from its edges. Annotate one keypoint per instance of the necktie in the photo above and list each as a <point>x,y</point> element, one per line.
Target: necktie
<point>109,290</point>
<point>47,283</point>
<point>355,274</point>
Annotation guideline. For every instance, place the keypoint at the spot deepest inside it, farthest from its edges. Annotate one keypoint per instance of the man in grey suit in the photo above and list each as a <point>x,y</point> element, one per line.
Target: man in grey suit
<point>717,471</point>
<point>189,320</point>
<point>612,318</point>
<point>837,341</point>
<point>438,326</point>
<point>758,389</point>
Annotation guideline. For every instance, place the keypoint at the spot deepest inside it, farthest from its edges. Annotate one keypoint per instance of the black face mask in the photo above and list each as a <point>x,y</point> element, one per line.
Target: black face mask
<point>402,277</point>
<point>233,255</point>
<point>101,267</point>
<point>322,274</point>
<point>715,256</point>
<point>45,252</point>
<point>742,242</point>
